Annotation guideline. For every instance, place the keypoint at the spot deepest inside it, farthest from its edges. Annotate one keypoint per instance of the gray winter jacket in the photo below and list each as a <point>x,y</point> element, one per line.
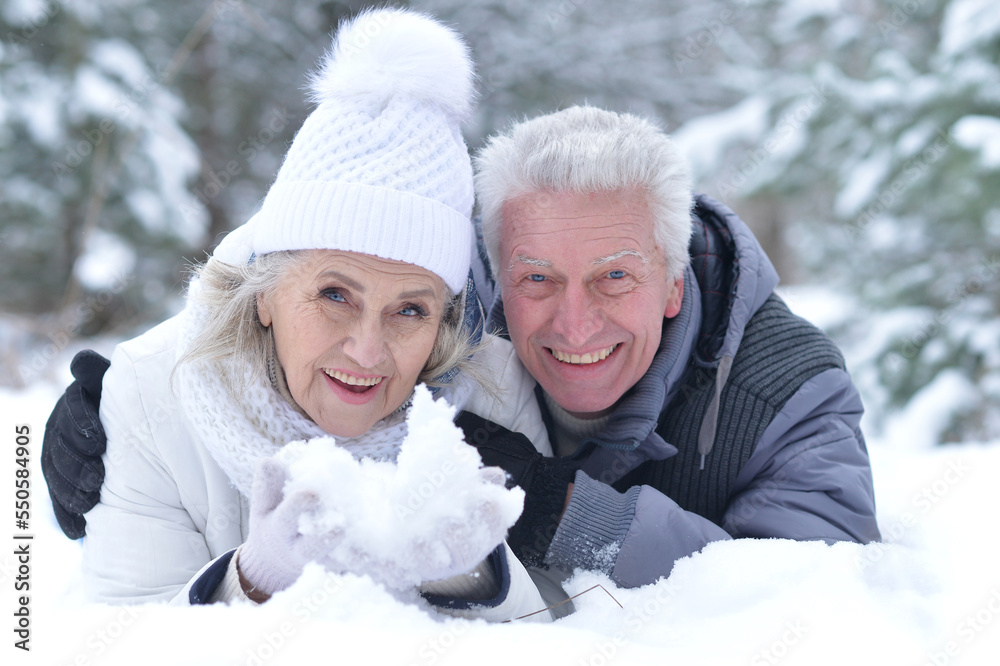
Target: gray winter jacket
<point>745,425</point>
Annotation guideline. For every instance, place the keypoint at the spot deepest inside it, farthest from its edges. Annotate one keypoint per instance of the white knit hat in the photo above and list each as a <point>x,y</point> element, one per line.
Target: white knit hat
<point>380,166</point>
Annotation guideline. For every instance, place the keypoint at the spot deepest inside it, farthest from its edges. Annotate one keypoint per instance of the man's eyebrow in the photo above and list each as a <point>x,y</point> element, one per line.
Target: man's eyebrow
<point>619,255</point>
<point>530,261</point>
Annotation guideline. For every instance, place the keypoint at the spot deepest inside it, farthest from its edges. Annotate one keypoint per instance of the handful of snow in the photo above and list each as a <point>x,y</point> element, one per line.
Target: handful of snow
<point>433,514</point>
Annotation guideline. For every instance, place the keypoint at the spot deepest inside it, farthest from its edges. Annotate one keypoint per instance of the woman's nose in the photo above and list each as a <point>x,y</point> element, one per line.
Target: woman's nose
<point>366,345</point>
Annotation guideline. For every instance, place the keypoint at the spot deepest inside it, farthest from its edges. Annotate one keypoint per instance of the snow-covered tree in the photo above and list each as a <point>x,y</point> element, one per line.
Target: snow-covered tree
<point>663,58</point>
<point>93,152</point>
<point>878,140</point>
<point>132,134</point>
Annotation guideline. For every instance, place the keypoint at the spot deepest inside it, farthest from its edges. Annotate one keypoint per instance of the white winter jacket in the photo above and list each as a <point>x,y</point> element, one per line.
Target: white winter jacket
<point>167,509</point>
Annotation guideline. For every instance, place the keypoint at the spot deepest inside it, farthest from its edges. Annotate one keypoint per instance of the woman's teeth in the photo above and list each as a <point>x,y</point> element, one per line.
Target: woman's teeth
<point>352,380</point>
<point>577,359</point>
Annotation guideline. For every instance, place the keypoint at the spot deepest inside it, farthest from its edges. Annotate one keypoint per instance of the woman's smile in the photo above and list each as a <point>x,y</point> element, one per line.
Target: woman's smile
<point>352,389</point>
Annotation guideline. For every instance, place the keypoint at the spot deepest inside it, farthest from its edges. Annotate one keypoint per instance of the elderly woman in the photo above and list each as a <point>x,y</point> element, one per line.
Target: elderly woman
<point>317,317</point>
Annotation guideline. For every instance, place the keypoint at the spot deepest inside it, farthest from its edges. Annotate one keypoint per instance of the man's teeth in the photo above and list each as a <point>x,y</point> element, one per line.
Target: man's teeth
<point>577,359</point>
<point>352,380</point>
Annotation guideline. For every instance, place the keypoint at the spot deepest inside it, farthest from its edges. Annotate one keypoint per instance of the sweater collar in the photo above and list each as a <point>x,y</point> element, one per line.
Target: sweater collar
<point>570,430</point>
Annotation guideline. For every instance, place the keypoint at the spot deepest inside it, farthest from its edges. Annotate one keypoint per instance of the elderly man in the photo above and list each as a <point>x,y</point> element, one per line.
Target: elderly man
<point>686,403</point>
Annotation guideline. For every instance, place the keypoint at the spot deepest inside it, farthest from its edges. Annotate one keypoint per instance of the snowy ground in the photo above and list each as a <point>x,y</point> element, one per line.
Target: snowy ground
<point>929,595</point>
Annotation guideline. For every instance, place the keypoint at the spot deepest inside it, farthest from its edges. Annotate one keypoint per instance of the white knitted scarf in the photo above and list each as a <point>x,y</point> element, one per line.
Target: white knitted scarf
<point>241,430</point>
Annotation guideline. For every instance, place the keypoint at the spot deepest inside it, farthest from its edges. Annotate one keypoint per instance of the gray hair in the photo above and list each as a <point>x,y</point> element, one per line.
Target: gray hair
<point>234,336</point>
<point>584,149</point>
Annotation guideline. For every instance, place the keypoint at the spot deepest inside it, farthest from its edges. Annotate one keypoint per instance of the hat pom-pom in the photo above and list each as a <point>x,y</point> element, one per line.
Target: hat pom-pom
<point>383,53</point>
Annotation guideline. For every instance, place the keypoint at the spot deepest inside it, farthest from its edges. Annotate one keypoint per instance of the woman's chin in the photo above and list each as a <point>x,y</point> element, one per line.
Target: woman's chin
<point>347,427</point>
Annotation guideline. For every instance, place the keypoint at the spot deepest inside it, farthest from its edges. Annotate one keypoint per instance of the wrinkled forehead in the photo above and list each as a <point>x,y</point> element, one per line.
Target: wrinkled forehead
<point>603,225</point>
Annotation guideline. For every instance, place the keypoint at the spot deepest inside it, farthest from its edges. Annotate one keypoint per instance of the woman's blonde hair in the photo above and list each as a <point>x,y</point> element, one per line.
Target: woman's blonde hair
<point>234,334</point>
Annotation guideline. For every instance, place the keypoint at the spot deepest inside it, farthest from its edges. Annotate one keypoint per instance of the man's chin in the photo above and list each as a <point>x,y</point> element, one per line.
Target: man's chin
<point>590,405</point>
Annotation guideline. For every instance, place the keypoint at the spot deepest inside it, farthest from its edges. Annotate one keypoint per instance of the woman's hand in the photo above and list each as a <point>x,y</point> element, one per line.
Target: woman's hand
<point>276,550</point>
<point>460,545</point>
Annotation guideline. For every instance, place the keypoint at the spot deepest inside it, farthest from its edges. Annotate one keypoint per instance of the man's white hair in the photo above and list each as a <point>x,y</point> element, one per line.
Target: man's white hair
<point>584,149</point>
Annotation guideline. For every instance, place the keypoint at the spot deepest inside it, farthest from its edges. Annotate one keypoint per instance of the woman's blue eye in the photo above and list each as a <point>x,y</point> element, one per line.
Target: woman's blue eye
<point>335,296</point>
<point>413,311</point>
<point>535,277</point>
<point>616,275</point>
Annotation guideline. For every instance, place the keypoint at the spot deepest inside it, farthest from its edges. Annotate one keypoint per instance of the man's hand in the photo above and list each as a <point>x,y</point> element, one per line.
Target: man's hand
<point>73,443</point>
<point>547,483</point>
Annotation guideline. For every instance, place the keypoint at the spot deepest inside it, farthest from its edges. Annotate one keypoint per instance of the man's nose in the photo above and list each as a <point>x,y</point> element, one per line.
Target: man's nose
<point>577,316</point>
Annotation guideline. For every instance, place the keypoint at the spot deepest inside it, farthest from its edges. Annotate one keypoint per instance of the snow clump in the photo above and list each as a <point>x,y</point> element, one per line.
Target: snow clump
<point>434,513</point>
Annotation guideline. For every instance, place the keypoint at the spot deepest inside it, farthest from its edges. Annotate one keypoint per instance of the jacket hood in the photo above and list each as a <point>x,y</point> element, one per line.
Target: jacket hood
<point>734,277</point>
<point>728,280</point>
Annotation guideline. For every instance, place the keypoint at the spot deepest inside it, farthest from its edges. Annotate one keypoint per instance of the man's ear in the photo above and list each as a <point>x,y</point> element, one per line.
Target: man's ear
<point>262,313</point>
<point>675,298</point>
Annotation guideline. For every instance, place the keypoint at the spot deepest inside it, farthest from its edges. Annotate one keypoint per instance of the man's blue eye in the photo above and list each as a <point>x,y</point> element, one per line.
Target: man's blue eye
<point>535,277</point>
<point>616,275</point>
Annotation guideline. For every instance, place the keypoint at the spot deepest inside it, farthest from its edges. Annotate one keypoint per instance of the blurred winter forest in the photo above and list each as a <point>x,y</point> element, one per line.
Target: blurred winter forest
<point>860,139</point>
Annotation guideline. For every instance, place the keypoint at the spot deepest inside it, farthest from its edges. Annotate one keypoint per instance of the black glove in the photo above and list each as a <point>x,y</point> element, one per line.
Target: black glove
<point>73,443</point>
<point>545,482</point>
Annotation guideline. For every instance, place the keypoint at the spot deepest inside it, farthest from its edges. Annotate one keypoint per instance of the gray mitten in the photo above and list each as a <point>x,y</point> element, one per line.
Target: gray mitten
<point>276,550</point>
<point>461,545</point>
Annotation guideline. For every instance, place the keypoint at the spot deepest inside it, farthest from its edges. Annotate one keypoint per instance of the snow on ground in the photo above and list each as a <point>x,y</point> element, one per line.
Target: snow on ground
<point>928,595</point>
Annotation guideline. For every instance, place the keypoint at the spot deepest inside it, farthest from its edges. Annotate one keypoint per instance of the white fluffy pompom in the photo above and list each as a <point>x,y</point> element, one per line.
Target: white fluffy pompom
<point>389,52</point>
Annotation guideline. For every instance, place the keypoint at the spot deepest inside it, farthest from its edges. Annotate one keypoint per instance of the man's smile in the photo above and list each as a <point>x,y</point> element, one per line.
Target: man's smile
<point>582,359</point>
